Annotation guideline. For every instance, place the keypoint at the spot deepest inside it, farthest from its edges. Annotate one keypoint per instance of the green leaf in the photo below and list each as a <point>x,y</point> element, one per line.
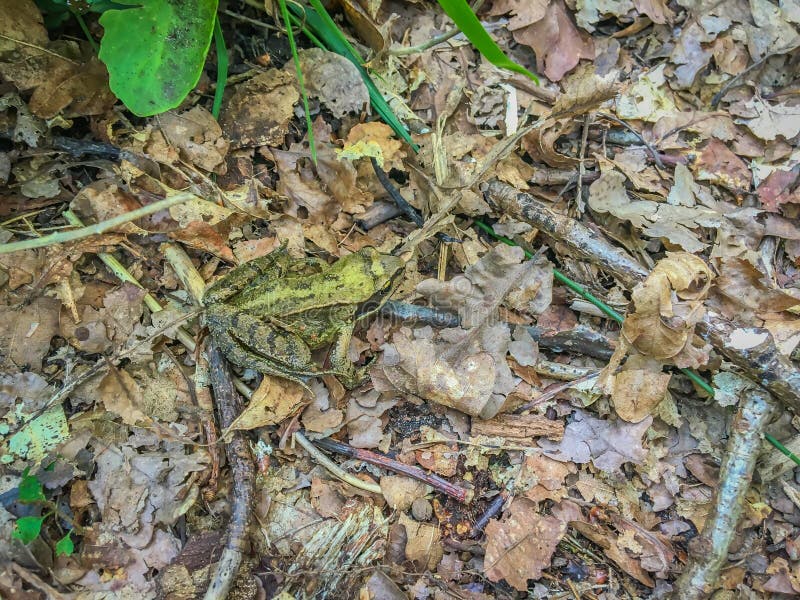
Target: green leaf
<point>470,26</point>
<point>65,545</point>
<point>155,51</point>
<point>27,529</point>
<point>30,489</point>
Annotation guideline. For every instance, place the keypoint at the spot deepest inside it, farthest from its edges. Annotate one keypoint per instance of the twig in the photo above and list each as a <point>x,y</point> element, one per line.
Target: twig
<point>240,460</point>
<point>40,48</point>
<point>734,80</point>
<point>587,119</point>
<point>402,203</point>
<point>554,370</point>
<point>96,228</point>
<point>424,314</point>
<point>490,513</point>
<point>434,41</point>
<point>333,468</point>
<point>578,340</point>
<point>709,551</point>
<point>650,149</point>
<point>380,460</point>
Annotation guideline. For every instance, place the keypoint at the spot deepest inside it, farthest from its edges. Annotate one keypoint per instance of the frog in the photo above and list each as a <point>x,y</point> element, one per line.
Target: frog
<point>270,313</point>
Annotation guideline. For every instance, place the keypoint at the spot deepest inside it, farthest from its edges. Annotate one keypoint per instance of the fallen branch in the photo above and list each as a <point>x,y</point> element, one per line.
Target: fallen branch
<point>384,462</point>
<point>578,340</point>
<point>240,460</point>
<point>708,552</point>
<point>752,349</point>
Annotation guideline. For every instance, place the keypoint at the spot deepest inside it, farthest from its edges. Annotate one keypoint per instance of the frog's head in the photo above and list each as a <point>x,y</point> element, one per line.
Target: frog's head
<point>384,269</point>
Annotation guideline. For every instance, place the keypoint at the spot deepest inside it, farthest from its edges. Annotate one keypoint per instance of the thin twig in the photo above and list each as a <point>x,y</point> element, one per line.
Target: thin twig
<point>434,41</point>
<point>380,460</point>
<point>45,50</point>
<point>333,468</point>
<point>97,228</point>
<point>653,152</point>
<point>240,459</point>
<point>733,82</point>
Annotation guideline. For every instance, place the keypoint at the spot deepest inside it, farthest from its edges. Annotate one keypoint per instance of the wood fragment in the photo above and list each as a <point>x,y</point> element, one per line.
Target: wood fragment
<point>519,427</point>
<point>709,551</point>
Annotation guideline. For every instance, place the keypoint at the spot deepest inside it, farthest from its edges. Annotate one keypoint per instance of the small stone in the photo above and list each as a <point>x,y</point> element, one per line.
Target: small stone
<point>421,509</point>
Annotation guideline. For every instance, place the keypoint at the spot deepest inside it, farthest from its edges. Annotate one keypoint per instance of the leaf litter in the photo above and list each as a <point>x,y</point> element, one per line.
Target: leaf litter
<point>668,128</point>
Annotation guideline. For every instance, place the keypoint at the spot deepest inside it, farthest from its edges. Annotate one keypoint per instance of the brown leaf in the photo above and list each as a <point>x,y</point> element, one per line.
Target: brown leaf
<point>719,165</point>
<point>25,333</point>
<point>197,136</point>
<point>610,544</point>
<point>637,392</point>
<point>521,546</point>
<point>555,40</point>
<point>608,444</point>
<point>259,110</point>
<point>334,80</point>
<point>662,325</point>
<point>780,187</point>
<point>275,400</point>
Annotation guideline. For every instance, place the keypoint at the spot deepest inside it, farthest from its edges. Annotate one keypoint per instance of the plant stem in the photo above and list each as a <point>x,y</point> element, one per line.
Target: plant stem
<point>97,228</point>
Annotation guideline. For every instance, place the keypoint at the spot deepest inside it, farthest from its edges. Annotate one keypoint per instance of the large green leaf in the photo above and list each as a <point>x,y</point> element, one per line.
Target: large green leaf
<point>155,51</point>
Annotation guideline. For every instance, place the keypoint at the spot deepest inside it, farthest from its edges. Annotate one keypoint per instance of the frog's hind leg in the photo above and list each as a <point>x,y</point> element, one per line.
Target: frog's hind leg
<point>241,336</point>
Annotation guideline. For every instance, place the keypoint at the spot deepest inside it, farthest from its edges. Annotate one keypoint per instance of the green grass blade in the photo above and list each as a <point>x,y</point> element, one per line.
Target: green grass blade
<point>287,22</point>
<point>222,68</point>
<point>320,28</point>
<point>470,26</point>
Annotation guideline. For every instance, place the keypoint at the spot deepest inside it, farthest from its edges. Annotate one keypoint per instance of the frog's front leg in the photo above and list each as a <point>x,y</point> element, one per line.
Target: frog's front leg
<point>350,375</point>
<point>271,266</point>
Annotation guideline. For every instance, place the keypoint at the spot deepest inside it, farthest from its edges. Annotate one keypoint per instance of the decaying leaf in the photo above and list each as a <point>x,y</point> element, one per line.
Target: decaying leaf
<point>607,444</point>
<point>334,80</point>
<point>275,400</point>
<point>259,110</point>
<point>666,307</point>
<point>521,545</point>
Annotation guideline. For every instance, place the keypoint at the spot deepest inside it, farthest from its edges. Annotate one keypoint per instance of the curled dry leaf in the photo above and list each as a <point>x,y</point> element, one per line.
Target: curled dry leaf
<point>521,546</point>
<point>275,400</point>
<point>666,307</point>
<point>197,136</point>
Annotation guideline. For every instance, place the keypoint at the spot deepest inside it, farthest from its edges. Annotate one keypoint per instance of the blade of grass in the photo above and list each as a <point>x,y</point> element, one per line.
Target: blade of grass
<point>287,22</point>
<point>79,18</point>
<point>470,26</point>
<point>783,449</point>
<point>320,28</point>
<point>581,291</point>
<point>222,67</point>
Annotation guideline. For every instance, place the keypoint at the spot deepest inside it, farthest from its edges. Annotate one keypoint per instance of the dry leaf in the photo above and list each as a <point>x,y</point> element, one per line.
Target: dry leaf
<point>607,444</point>
<point>259,110</point>
<point>333,79</point>
<point>521,546</point>
<point>666,307</point>
<point>275,399</point>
